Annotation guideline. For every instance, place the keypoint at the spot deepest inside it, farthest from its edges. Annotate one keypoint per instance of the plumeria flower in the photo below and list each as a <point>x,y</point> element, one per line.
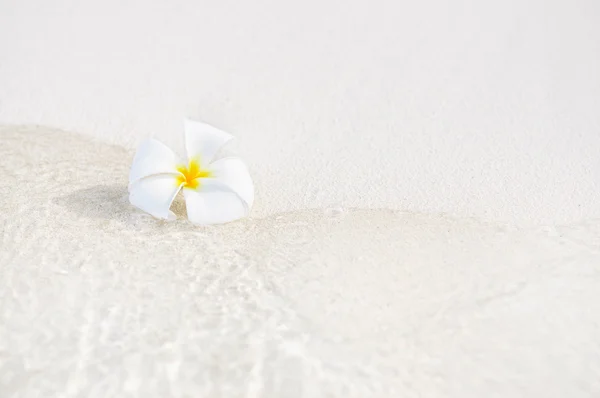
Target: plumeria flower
<point>215,191</point>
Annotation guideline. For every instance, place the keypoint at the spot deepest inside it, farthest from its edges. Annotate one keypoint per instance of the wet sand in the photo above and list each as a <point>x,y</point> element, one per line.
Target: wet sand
<point>100,299</point>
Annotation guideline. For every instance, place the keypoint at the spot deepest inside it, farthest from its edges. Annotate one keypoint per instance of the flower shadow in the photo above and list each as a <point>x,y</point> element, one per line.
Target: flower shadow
<point>109,202</point>
<point>102,201</point>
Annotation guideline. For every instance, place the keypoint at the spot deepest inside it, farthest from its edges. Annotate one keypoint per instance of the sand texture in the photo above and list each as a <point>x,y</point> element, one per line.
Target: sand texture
<point>100,300</point>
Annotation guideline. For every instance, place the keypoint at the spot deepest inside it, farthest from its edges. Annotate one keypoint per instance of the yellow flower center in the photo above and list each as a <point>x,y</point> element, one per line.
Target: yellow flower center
<point>190,176</point>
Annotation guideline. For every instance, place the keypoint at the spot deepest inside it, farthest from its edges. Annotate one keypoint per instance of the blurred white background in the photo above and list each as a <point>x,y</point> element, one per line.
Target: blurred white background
<point>478,108</point>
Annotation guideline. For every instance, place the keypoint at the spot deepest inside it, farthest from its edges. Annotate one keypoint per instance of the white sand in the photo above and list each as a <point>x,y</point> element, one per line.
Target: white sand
<point>466,107</point>
<point>485,109</point>
<point>100,300</point>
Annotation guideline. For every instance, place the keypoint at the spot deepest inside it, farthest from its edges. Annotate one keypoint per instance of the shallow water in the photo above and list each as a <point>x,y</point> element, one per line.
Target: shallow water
<point>99,299</point>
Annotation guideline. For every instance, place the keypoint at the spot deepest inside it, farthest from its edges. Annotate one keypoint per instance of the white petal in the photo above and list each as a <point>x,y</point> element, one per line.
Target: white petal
<point>203,141</point>
<point>213,203</point>
<point>233,173</point>
<point>155,194</point>
<point>152,157</point>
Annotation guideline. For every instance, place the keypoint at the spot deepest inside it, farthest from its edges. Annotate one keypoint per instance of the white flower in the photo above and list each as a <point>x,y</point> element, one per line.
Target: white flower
<point>215,191</point>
